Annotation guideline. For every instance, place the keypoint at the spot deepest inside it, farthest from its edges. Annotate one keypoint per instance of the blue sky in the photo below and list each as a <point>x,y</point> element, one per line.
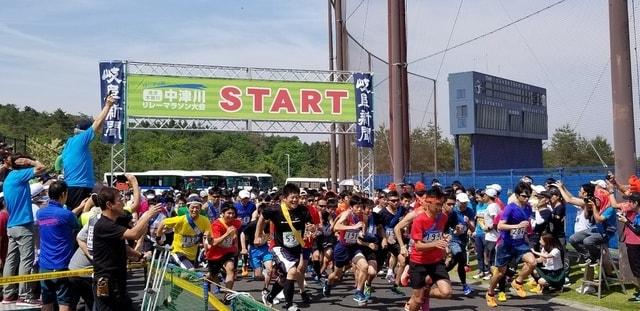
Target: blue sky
<point>50,50</point>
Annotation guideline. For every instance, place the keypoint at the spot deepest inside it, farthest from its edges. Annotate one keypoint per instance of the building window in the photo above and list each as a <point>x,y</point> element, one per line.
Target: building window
<point>460,93</point>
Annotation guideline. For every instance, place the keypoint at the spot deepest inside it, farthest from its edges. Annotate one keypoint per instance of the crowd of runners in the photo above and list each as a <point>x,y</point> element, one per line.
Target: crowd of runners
<point>411,235</point>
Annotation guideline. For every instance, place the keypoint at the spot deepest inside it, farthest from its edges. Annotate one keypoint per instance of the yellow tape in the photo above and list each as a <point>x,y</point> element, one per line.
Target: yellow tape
<point>54,275</point>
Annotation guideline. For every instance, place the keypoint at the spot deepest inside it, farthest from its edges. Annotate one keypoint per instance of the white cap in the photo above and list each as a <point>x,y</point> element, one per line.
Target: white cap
<point>274,189</point>
<point>303,192</point>
<point>244,194</point>
<point>462,197</point>
<point>600,183</point>
<point>204,193</point>
<point>538,188</point>
<point>491,192</point>
<point>150,196</point>
<point>253,196</point>
<point>36,189</point>
<point>496,187</point>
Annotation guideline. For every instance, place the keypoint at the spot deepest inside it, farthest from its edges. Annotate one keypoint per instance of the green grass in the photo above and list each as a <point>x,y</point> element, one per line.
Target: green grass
<point>612,298</point>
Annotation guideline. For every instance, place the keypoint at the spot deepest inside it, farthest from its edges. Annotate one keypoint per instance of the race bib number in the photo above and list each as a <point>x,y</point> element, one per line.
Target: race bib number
<point>189,241</point>
<point>391,236</point>
<point>432,236</point>
<point>518,234</point>
<point>227,242</point>
<point>289,240</point>
<point>350,237</point>
<point>246,220</point>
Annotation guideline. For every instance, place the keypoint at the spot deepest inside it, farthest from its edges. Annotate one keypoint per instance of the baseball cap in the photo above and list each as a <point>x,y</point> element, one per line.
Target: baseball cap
<point>601,183</point>
<point>420,186</point>
<point>84,124</point>
<point>303,192</point>
<point>194,199</point>
<point>36,189</point>
<point>462,197</point>
<point>491,192</point>
<point>538,188</point>
<point>526,179</point>
<point>244,194</point>
<point>545,194</point>
<point>496,187</point>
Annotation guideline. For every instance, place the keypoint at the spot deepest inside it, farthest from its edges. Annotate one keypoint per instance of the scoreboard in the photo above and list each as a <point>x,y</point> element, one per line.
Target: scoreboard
<point>488,105</point>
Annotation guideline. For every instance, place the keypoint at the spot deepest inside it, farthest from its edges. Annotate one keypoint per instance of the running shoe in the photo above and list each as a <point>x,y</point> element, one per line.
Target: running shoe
<point>326,288</point>
<point>290,307</point>
<point>306,298</point>
<point>466,289</point>
<point>519,289</point>
<point>390,277</point>
<point>245,272</point>
<point>537,289</point>
<point>9,300</point>
<point>32,303</point>
<point>487,276</point>
<point>359,298</point>
<point>396,290</point>
<point>491,301</point>
<point>266,300</point>
<point>502,296</point>
<point>367,293</point>
<point>479,275</point>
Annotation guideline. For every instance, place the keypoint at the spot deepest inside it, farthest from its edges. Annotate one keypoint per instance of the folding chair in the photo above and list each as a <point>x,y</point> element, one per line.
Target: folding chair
<point>608,281</point>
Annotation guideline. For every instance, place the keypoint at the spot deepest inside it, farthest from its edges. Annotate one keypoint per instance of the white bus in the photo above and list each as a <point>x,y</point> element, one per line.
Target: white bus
<point>162,180</point>
<point>218,179</point>
<point>263,182</point>
<point>309,183</point>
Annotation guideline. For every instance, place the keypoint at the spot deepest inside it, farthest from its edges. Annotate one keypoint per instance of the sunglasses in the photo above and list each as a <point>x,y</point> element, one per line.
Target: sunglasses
<point>450,204</point>
<point>322,205</point>
<point>524,195</point>
<point>393,200</point>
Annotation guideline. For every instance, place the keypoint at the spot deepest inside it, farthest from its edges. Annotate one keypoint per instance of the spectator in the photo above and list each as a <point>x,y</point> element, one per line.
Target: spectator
<point>77,161</point>
<point>57,225</point>
<point>630,217</point>
<point>4,239</point>
<point>110,252</point>
<point>551,271</point>
<point>20,228</point>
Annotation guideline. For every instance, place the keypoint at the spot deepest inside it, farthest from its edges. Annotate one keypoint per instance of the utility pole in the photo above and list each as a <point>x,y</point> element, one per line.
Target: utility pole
<point>396,66</point>
<point>332,136</point>
<point>341,66</point>
<point>622,101</point>
<point>622,94</point>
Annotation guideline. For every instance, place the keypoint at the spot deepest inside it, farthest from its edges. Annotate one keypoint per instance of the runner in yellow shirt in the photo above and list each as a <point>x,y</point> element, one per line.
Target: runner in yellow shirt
<point>188,232</point>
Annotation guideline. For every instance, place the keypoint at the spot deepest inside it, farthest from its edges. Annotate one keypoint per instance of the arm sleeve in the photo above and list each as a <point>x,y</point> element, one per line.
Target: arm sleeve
<point>87,135</point>
<point>27,174</point>
<point>171,222</point>
<point>82,235</point>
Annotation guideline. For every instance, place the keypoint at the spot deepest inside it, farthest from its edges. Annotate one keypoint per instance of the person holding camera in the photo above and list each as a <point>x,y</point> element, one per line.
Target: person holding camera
<point>110,250</point>
<point>20,227</point>
<point>629,215</point>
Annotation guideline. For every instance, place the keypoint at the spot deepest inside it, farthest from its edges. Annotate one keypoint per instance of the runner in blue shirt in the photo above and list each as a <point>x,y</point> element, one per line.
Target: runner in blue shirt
<point>461,221</point>
<point>513,226</point>
<point>57,225</point>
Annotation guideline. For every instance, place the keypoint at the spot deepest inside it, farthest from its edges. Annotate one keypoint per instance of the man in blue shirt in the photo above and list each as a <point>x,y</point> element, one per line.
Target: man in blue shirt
<point>460,222</point>
<point>17,195</point>
<point>245,207</point>
<point>77,161</point>
<point>57,225</point>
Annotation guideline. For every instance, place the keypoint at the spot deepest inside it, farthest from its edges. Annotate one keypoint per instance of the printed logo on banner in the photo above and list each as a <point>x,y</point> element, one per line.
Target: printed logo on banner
<point>175,97</point>
<point>112,82</point>
<point>364,109</point>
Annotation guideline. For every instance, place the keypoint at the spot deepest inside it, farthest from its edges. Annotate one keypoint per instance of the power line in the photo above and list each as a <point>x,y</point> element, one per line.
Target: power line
<point>453,28</point>
<point>354,10</point>
<point>487,34</point>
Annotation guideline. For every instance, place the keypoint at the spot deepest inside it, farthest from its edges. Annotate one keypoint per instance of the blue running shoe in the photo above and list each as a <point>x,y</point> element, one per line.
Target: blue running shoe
<point>466,289</point>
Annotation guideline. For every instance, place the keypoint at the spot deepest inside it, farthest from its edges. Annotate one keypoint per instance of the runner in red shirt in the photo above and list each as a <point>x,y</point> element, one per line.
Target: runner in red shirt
<point>428,251</point>
<point>222,247</point>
